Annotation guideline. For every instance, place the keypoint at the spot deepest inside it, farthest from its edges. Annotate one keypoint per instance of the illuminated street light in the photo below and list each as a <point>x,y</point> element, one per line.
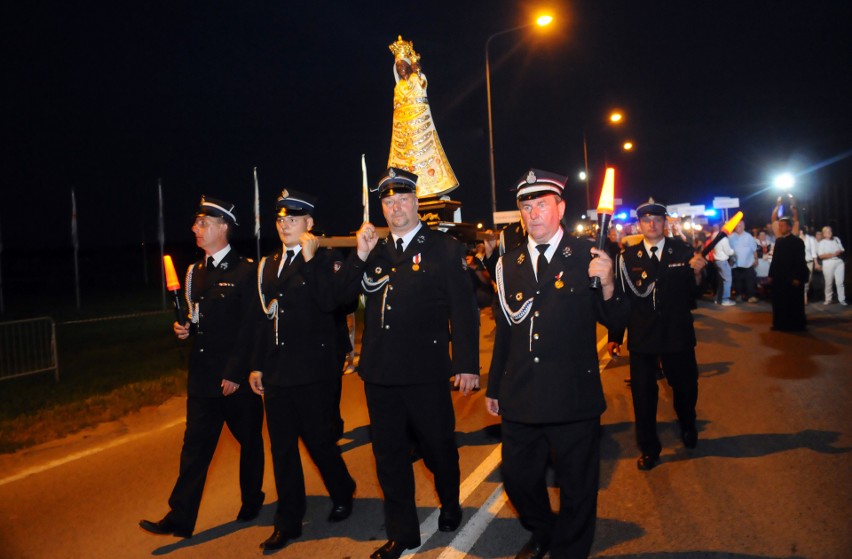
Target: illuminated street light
<point>615,117</point>
<point>784,181</point>
<point>542,21</point>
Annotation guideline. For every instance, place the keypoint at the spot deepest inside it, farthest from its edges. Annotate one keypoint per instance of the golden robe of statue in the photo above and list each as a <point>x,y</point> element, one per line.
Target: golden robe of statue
<point>415,146</point>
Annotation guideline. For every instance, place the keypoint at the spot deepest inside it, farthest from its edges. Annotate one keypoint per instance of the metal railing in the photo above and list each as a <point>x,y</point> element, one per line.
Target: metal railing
<point>28,347</point>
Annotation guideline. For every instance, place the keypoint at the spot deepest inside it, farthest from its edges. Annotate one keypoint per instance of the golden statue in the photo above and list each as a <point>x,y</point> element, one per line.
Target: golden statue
<point>415,146</point>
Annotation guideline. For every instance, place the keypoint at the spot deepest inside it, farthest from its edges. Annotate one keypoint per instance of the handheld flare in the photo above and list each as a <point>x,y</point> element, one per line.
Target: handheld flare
<point>173,285</point>
<point>606,207</point>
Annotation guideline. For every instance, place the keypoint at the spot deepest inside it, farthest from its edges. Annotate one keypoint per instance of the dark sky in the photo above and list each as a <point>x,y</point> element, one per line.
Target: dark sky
<point>108,97</point>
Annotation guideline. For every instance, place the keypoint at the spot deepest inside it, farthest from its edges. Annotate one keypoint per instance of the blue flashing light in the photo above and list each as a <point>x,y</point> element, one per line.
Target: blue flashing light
<point>621,215</point>
<point>710,212</point>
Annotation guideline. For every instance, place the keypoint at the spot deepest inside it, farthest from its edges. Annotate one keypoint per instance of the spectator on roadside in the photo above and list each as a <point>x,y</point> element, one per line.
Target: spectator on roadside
<point>833,267</point>
<point>223,313</point>
<point>722,253</point>
<point>745,263</point>
<point>811,254</point>
<point>787,275</point>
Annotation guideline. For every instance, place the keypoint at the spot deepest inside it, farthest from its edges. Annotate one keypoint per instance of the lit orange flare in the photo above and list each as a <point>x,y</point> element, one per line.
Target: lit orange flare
<point>729,227</point>
<point>606,205</point>
<point>172,283</point>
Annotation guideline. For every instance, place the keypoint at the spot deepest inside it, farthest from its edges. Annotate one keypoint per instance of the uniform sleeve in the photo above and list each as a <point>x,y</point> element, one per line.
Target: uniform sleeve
<point>250,313</point>
<point>500,351</point>
<point>464,314</point>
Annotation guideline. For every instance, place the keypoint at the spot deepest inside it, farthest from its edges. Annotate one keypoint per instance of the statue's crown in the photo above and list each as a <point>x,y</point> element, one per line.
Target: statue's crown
<point>404,49</point>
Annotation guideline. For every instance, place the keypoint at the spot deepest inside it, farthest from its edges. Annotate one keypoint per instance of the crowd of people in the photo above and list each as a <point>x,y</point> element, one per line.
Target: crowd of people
<point>273,336</point>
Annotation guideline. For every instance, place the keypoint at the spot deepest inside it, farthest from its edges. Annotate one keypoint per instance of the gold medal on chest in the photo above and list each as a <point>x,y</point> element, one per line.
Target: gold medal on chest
<point>519,296</point>
<point>559,284</point>
<point>416,262</point>
<point>644,274</point>
<point>415,267</point>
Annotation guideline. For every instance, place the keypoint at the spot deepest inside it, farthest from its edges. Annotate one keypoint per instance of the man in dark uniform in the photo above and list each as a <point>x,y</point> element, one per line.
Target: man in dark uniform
<point>297,369</point>
<point>417,291</point>
<point>544,378</point>
<point>223,312</point>
<point>788,274</point>
<point>661,277</point>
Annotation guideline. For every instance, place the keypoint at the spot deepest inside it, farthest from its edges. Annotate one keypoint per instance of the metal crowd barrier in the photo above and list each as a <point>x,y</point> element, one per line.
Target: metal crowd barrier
<point>28,347</point>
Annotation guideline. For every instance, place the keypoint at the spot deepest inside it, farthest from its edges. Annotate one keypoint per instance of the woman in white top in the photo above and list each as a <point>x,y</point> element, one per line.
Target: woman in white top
<point>829,250</point>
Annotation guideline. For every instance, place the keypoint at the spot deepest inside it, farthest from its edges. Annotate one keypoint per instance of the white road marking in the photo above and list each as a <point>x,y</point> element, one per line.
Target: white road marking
<point>429,526</point>
<point>475,527</point>
<point>78,455</point>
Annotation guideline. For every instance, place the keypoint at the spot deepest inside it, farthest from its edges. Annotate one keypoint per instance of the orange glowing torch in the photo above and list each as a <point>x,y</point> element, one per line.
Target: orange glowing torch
<point>606,207</point>
<point>727,229</point>
<point>173,285</point>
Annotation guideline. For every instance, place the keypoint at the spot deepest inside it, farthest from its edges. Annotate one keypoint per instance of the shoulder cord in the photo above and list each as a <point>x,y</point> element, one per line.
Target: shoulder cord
<point>651,290</point>
<point>521,314</point>
<point>271,311</point>
<point>371,286</point>
<point>193,307</point>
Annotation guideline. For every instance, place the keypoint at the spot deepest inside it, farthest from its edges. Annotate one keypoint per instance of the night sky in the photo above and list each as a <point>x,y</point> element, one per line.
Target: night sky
<point>107,98</point>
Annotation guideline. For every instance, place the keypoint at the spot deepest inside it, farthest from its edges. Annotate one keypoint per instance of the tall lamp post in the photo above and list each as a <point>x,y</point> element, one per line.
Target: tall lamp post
<point>541,22</point>
<point>615,118</point>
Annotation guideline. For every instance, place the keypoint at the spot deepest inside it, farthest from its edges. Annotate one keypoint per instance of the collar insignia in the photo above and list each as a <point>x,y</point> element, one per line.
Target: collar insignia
<point>566,252</point>
<point>378,270</point>
<point>521,258</point>
<point>519,296</point>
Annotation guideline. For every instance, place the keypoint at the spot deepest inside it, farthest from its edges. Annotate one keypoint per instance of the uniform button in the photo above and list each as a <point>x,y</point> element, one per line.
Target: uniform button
<point>535,336</point>
<point>201,350</point>
<point>388,307</point>
<point>393,269</point>
<point>535,314</point>
<point>387,326</point>
<point>537,292</point>
<point>434,341</point>
<point>390,288</point>
<point>201,315</point>
<point>536,359</point>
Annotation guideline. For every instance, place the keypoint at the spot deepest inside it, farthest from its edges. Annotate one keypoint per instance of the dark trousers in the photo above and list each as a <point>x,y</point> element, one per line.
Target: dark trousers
<point>788,307</point>
<point>682,375</point>
<point>575,448</point>
<point>243,413</point>
<point>310,412</point>
<point>745,282</point>
<point>396,413</point>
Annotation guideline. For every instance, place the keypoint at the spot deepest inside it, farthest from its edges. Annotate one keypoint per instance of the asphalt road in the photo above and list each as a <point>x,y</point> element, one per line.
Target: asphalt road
<point>771,476</point>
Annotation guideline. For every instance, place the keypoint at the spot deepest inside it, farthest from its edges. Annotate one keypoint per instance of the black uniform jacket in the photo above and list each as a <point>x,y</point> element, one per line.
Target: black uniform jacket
<point>544,368</point>
<point>661,322</point>
<point>413,302</point>
<point>306,349</point>
<point>788,262</point>
<point>228,309</point>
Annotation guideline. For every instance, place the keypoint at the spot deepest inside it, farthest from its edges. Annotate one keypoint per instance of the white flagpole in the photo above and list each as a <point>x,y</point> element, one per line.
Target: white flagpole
<point>75,241</point>
<point>257,214</point>
<point>161,236</point>
<point>2,304</point>
<point>365,191</point>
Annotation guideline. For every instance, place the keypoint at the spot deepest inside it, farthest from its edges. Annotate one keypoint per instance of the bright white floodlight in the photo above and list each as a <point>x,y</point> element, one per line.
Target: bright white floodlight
<point>784,181</point>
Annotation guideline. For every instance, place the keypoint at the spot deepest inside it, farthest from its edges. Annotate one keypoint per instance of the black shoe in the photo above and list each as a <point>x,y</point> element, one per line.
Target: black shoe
<point>532,550</point>
<point>248,513</point>
<point>450,518</point>
<point>689,438</point>
<point>278,539</point>
<point>391,550</point>
<point>340,511</point>
<point>165,527</point>
<point>647,461</point>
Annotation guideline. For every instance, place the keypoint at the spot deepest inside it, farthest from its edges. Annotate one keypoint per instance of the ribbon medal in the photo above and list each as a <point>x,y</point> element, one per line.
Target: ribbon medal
<point>559,284</point>
<point>416,260</point>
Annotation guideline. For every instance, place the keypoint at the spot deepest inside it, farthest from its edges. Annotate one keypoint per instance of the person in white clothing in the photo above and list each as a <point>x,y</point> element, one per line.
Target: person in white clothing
<point>829,250</point>
<point>721,253</point>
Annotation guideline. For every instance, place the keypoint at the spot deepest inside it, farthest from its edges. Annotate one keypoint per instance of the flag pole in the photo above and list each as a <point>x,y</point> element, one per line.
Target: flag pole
<point>161,236</point>
<point>257,214</point>
<point>76,243</point>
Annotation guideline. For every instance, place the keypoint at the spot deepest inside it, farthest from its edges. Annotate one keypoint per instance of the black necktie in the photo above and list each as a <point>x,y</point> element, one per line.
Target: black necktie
<point>399,246</point>
<point>289,259</point>
<point>210,264</point>
<point>654,259</point>
<point>541,265</point>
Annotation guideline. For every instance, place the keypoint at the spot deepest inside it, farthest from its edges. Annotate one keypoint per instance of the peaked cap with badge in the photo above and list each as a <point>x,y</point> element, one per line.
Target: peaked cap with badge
<point>651,207</point>
<point>396,181</point>
<point>214,207</point>
<point>294,203</point>
<point>537,183</point>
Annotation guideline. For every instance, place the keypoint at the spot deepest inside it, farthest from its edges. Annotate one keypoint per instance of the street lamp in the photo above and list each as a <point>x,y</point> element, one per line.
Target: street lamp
<point>542,21</point>
<point>615,118</point>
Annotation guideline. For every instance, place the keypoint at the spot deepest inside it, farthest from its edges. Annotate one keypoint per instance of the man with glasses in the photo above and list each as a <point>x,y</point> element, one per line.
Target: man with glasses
<point>223,311</point>
<point>296,367</point>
